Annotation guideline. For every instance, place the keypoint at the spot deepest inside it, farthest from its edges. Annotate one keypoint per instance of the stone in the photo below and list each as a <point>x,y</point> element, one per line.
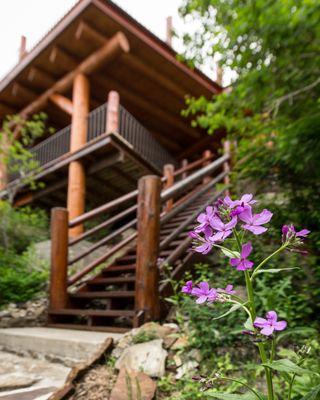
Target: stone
<point>186,369</point>
<point>139,384</point>
<point>181,343</point>
<point>148,357</point>
<point>195,355</point>
<point>16,381</point>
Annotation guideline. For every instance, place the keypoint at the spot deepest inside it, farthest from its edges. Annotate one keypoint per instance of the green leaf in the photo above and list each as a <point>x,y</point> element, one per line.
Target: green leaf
<point>275,270</point>
<point>248,325</point>
<point>285,365</point>
<point>229,396</point>
<point>229,253</point>
<point>305,331</point>
<point>232,309</point>
<point>313,395</point>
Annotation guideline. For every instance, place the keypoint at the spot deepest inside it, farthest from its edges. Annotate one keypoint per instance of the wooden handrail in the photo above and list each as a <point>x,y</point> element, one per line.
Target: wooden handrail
<point>193,179</point>
<point>168,216</point>
<point>77,276</point>
<point>193,165</point>
<point>103,241</point>
<point>103,225</point>
<point>104,208</point>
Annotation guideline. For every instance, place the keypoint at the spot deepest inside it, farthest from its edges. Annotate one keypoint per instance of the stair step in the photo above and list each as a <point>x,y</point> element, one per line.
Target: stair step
<point>107,281</point>
<point>127,258</point>
<point>120,268</point>
<point>94,313</point>
<point>114,329</point>
<point>103,294</point>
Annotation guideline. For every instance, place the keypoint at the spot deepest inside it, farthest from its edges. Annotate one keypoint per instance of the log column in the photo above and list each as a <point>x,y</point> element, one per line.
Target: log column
<point>147,274</point>
<point>207,154</point>
<point>59,259</point>
<point>76,182</point>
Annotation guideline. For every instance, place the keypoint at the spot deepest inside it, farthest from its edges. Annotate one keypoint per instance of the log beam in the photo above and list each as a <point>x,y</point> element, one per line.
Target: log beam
<point>117,45</point>
<point>168,173</point>
<point>88,33</point>
<point>62,102</point>
<point>19,90</point>
<point>40,78</point>
<point>112,122</point>
<point>78,138</point>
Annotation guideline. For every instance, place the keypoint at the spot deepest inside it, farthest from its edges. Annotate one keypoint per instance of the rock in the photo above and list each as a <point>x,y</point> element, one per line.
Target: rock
<point>181,343</point>
<point>148,357</point>
<point>186,369</point>
<point>195,354</point>
<point>177,360</point>
<point>16,381</point>
<point>30,313</point>
<point>139,384</point>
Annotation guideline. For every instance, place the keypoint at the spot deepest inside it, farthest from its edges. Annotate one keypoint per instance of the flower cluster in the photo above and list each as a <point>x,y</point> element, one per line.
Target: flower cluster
<point>205,294</point>
<point>218,221</point>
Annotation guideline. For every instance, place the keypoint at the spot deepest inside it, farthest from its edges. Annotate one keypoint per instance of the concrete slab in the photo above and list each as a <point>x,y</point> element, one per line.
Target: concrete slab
<point>67,345</point>
<point>43,377</point>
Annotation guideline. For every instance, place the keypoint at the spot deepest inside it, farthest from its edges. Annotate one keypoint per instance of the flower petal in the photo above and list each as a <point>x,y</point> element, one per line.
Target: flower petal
<point>260,322</point>
<point>244,265</point>
<point>216,223</point>
<point>267,331</point>
<point>257,230</point>
<point>280,325</point>
<point>204,286</point>
<point>262,218</point>
<point>246,250</point>
<point>246,215</point>
<point>235,261</point>
<point>201,299</point>
<point>303,233</point>
<point>232,223</point>
<point>272,316</point>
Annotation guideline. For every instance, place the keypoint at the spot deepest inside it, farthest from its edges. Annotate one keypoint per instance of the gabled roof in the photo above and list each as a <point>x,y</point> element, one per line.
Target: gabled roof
<point>151,81</point>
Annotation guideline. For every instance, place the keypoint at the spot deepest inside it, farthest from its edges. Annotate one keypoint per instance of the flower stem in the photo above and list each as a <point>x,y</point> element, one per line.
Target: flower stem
<point>241,383</point>
<point>267,259</point>
<point>290,386</point>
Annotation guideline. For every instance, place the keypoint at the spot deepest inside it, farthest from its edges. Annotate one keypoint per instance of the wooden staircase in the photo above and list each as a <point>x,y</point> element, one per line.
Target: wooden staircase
<point>118,297</point>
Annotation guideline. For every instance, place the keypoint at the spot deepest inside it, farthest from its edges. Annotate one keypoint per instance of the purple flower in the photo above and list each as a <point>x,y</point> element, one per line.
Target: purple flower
<point>223,230</point>
<point>204,293</point>
<point>245,202</point>
<point>289,233</point>
<point>204,219</point>
<point>200,244</point>
<point>270,324</point>
<point>227,290</point>
<point>253,222</point>
<point>187,288</point>
<point>243,263</point>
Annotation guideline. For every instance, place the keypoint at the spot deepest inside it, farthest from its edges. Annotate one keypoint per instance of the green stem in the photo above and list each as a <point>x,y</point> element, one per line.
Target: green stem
<point>267,259</point>
<point>273,350</point>
<point>241,383</point>
<point>291,386</point>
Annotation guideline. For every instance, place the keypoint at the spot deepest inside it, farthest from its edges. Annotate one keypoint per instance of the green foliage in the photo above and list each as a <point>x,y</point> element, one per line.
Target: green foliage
<point>15,152</point>
<point>273,110</point>
<point>144,336</point>
<point>22,274</point>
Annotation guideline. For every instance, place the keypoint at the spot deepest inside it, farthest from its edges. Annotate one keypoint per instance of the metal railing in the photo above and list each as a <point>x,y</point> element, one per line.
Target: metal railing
<point>130,129</point>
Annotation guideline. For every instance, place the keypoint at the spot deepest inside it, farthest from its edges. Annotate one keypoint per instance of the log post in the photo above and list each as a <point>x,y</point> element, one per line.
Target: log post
<point>226,165</point>
<point>147,274</point>
<point>112,122</point>
<point>59,259</point>
<point>76,181</point>
<point>207,154</point>
<point>184,163</point>
<point>168,172</point>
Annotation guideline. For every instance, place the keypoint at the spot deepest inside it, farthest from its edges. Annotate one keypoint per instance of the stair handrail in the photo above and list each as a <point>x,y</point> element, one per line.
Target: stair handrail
<point>193,179</point>
<point>193,165</point>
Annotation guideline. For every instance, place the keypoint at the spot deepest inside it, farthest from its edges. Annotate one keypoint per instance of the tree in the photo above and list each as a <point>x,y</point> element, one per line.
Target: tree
<point>15,153</point>
<point>273,109</point>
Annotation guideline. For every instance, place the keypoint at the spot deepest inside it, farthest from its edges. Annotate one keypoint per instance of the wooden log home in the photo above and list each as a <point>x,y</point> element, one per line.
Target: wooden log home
<point>124,171</point>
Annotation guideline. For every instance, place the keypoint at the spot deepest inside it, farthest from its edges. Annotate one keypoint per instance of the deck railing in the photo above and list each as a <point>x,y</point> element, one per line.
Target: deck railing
<point>141,140</point>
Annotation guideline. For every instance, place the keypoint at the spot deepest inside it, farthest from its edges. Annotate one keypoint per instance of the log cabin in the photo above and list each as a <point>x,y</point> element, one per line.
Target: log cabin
<point>124,171</point>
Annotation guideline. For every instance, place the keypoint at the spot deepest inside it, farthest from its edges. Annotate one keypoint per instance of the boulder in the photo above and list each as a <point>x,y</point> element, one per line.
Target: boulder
<point>138,384</point>
<point>186,369</point>
<point>148,357</point>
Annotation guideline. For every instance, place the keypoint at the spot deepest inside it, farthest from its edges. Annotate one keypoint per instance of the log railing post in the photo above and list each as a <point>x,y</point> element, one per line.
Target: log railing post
<point>147,274</point>
<point>168,173</point>
<point>112,122</point>
<point>226,165</point>
<point>208,155</point>
<point>184,163</point>
<point>59,259</point>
